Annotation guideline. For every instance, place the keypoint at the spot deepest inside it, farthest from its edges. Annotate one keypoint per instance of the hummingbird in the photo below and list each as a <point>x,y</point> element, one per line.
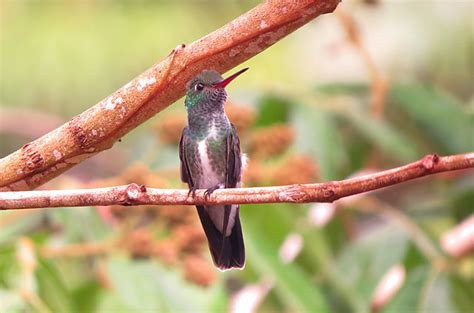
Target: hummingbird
<point>209,151</point>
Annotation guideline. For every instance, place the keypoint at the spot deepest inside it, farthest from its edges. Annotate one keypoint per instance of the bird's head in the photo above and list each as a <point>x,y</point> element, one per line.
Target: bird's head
<point>208,89</point>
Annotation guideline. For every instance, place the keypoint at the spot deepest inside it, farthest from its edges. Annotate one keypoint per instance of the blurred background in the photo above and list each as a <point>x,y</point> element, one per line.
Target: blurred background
<point>373,86</point>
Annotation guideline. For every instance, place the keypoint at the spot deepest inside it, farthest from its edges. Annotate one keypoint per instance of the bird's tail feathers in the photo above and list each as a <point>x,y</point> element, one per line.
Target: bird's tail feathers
<point>227,251</point>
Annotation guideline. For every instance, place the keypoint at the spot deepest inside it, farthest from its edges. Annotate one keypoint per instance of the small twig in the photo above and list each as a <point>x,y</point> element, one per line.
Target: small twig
<point>99,127</point>
<point>134,194</point>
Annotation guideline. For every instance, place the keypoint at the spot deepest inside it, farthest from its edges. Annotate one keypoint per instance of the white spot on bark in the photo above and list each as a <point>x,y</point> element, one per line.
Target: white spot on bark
<point>119,100</point>
<point>94,132</point>
<point>109,105</point>
<point>263,24</point>
<point>37,177</point>
<point>60,165</point>
<point>310,11</point>
<point>143,82</point>
<point>254,46</point>
<point>57,155</point>
<point>275,36</point>
<point>133,193</point>
<point>233,52</point>
<point>19,185</point>
<point>264,40</point>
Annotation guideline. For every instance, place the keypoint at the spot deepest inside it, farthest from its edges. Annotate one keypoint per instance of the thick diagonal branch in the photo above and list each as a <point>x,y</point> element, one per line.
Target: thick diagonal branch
<point>134,194</point>
<point>102,125</point>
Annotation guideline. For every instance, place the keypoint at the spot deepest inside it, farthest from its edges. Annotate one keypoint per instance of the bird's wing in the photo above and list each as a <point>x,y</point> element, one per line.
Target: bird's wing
<point>233,158</point>
<point>185,174</point>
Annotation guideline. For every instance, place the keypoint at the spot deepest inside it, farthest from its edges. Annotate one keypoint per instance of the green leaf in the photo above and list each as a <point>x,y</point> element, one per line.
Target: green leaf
<point>86,297</point>
<point>217,298</point>
<point>440,116</point>
<point>113,302</point>
<point>12,302</point>
<point>52,289</point>
<point>368,259</point>
<point>75,272</point>
<point>384,136</point>
<point>21,223</point>
<point>426,290</point>
<point>320,255</point>
<point>408,297</point>
<point>344,88</point>
<point>317,134</point>
<point>459,199</point>
<point>81,224</point>
<point>272,110</point>
<point>437,299</point>
<point>8,268</point>
<point>461,292</point>
<point>145,285</point>
<point>292,284</point>
<point>414,258</point>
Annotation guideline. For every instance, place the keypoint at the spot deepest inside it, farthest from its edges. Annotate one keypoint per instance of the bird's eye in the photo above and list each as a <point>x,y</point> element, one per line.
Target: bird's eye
<point>199,86</point>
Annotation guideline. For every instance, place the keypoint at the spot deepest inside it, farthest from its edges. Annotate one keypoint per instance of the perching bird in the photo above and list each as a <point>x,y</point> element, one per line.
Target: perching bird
<point>210,156</point>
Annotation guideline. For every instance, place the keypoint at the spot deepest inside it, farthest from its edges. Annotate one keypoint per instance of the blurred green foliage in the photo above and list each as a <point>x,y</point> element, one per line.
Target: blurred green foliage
<point>61,58</point>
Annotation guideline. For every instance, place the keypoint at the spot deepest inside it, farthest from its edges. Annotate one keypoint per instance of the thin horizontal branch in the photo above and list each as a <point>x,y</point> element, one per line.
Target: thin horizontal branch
<point>99,127</point>
<point>134,194</point>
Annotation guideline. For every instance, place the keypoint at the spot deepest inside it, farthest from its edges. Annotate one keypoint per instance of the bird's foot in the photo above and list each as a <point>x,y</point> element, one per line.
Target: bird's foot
<point>192,191</point>
<point>209,191</point>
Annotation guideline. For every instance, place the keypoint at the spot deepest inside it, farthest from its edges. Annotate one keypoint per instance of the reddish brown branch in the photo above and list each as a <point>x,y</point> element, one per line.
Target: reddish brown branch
<point>100,126</point>
<point>134,194</point>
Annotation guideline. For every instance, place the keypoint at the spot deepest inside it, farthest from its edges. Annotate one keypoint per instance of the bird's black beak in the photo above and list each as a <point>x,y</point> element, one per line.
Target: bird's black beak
<point>227,80</point>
